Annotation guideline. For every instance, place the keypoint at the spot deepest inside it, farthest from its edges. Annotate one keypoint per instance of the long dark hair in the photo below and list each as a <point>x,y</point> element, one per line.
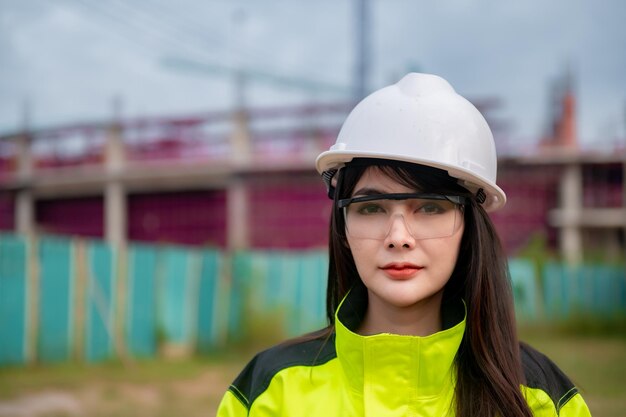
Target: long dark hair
<point>488,364</point>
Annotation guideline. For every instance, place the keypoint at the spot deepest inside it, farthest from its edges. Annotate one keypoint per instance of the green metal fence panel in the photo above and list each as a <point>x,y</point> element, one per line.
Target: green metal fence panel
<point>525,289</point>
<point>291,281</point>
<point>274,287</point>
<point>13,300</point>
<point>556,294</point>
<point>286,287</point>
<point>240,276</point>
<point>210,321</point>
<point>100,302</point>
<point>178,273</point>
<point>141,327</point>
<point>311,292</point>
<point>56,299</point>
<point>269,289</point>
<point>204,298</point>
<point>266,291</point>
<point>598,290</point>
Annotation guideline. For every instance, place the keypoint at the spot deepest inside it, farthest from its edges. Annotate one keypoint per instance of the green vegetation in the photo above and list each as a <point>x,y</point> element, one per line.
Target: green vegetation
<point>613,326</point>
<point>538,251</point>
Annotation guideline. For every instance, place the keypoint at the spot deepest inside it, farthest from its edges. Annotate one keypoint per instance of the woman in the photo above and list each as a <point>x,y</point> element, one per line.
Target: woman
<point>419,306</point>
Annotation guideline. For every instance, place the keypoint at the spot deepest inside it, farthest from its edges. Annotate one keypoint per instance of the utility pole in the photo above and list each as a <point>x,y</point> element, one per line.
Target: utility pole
<point>24,200</point>
<point>362,23</point>
<point>238,21</point>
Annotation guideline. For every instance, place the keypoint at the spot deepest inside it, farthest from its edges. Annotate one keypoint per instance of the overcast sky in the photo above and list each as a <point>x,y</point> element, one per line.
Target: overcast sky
<point>70,58</point>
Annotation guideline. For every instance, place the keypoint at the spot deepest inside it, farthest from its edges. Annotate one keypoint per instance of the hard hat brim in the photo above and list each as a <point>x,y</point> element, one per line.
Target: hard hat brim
<point>496,198</point>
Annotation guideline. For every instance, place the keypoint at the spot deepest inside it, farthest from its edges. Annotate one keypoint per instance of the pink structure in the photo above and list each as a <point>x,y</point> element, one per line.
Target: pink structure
<point>248,182</point>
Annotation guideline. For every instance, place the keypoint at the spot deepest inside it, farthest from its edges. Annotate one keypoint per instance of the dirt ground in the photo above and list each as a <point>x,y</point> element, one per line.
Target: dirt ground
<point>107,394</point>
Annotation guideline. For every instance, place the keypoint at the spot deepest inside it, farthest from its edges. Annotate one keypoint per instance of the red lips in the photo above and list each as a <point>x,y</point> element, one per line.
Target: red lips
<point>401,270</point>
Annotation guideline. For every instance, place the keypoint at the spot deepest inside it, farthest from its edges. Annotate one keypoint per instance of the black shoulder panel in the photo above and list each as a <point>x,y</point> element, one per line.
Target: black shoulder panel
<point>256,376</point>
<point>542,373</point>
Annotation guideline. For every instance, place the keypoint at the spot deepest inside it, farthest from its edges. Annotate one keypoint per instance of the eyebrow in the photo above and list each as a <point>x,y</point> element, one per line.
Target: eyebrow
<point>368,191</point>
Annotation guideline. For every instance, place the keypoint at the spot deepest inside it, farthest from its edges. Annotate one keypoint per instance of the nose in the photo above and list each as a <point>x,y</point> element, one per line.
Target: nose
<point>399,235</point>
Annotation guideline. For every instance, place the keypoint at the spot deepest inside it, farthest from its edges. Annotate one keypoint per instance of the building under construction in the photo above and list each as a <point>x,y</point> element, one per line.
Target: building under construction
<point>246,180</point>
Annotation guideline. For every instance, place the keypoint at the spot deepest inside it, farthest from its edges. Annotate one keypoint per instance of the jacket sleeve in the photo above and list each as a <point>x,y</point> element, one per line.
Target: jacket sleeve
<point>549,391</point>
<point>574,407</point>
<point>231,406</point>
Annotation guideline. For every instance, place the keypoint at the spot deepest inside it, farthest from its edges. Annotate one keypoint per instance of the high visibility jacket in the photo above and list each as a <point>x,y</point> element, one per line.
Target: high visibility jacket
<point>349,375</point>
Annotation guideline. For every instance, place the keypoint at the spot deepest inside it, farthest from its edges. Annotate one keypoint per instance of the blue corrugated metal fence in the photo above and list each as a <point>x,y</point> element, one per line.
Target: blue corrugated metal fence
<point>13,300</point>
<point>62,299</point>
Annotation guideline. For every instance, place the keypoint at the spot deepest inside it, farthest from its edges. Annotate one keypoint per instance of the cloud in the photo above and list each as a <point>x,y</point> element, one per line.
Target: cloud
<point>71,57</point>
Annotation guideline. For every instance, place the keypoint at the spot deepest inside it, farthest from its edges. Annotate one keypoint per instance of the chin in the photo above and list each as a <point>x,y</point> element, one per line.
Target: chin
<point>405,299</point>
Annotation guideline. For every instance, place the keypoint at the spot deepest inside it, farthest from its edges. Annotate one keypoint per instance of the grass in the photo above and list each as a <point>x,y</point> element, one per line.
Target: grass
<point>596,364</point>
<point>190,387</point>
<point>194,387</point>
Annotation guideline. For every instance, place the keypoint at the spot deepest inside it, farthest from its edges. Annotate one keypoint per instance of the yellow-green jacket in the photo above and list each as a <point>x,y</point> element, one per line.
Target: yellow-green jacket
<point>382,375</point>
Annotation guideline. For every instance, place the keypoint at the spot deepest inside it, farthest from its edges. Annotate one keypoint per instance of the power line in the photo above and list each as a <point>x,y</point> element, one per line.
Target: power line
<point>270,78</point>
<point>137,26</point>
<point>158,21</point>
<point>197,28</point>
<point>156,29</point>
<point>198,31</point>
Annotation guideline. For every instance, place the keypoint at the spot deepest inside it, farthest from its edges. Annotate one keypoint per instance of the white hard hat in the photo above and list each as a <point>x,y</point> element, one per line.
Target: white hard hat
<point>422,120</point>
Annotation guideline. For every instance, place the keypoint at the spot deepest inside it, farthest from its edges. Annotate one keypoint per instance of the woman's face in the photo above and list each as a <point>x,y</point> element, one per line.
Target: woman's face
<point>399,270</point>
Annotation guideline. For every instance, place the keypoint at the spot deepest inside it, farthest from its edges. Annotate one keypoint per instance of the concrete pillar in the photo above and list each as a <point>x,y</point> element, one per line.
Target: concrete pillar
<point>240,138</point>
<point>25,162</point>
<point>571,243</point>
<point>115,213</point>
<point>25,212</point>
<point>114,155</point>
<point>237,228</point>
<point>24,201</point>
<point>115,217</point>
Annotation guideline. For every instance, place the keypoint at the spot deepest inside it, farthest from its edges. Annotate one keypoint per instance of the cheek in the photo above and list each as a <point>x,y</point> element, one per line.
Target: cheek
<point>452,249</point>
<point>363,251</point>
<point>443,253</point>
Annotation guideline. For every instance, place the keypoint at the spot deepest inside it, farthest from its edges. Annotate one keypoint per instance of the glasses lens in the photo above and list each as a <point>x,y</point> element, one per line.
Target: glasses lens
<point>424,218</point>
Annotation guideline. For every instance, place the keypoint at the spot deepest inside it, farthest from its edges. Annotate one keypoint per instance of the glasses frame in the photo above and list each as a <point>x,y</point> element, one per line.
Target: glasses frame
<point>456,199</point>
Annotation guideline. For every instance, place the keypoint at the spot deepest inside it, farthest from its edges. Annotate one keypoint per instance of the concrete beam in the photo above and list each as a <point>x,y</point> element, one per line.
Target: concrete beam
<point>588,217</point>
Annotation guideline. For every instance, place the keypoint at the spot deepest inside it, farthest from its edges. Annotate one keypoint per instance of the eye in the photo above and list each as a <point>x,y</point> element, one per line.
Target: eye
<point>369,208</point>
<point>431,208</point>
